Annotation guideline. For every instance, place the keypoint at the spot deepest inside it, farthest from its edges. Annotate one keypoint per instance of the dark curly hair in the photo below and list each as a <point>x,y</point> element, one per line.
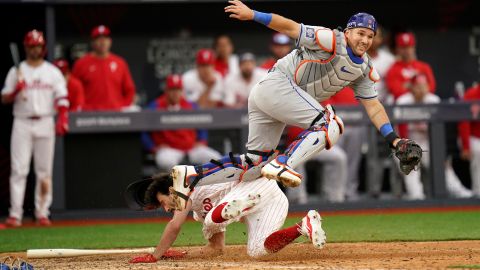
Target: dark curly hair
<point>161,183</point>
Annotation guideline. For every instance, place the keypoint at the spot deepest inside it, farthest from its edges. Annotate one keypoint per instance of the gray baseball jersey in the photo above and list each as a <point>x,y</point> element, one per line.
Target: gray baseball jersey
<point>323,64</point>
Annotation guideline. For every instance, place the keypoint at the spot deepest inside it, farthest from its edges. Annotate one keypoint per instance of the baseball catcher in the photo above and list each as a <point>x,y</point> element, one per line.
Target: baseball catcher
<point>324,62</point>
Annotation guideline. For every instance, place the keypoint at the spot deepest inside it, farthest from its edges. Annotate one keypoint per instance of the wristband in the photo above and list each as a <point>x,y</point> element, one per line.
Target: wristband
<point>263,18</point>
<point>386,129</point>
<point>388,133</point>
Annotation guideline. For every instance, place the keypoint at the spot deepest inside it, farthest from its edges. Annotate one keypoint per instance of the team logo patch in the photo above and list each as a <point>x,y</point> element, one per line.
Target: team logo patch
<point>310,33</point>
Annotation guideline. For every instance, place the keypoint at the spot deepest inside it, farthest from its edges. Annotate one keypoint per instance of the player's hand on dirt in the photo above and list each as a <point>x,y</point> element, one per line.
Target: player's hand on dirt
<point>147,258</point>
<point>239,10</point>
<point>174,254</point>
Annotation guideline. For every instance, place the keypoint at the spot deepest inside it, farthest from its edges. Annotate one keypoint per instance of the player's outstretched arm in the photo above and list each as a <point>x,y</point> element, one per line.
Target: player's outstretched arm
<point>408,152</point>
<point>171,231</point>
<point>377,114</point>
<point>276,22</point>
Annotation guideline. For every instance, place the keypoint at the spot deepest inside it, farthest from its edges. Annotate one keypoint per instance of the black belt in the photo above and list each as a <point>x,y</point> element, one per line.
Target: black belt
<point>34,117</point>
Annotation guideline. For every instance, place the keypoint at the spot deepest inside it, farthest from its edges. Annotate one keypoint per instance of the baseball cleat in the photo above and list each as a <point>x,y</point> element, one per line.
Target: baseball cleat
<point>13,222</point>
<point>44,221</point>
<point>236,207</point>
<point>312,228</point>
<point>180,191</point>
<point>282,172</point>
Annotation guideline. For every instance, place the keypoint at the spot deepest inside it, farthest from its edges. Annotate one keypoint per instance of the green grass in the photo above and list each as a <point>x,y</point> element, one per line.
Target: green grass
<point>475,266</point>
<point>354,228</point>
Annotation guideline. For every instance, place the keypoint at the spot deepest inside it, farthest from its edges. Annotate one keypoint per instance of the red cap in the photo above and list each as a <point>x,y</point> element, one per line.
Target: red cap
<point>34,38</point>
<point>100,30</point>
<point>405,39</point>
<point>174,81</point>
<point>205,57</point>
<point>62,64</point>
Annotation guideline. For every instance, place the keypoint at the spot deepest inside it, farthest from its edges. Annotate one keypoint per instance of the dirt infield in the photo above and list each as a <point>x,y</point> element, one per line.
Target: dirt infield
<point>400,255</point>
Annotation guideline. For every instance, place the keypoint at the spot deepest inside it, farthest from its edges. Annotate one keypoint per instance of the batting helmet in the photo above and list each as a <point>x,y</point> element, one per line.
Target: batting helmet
<point>34,38</point>
<point>62,64</point>
<point>135,194</point>
<point>141,195</point>
<point>362,20</point>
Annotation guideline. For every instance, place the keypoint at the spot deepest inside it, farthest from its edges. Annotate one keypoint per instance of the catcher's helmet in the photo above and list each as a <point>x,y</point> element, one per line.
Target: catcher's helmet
<point>363,20</point>
<point>34,38</point>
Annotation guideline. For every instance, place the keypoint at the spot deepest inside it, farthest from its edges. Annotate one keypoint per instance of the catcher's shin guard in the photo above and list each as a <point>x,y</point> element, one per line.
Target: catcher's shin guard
<point>323,133</point>
<point>230,168</point>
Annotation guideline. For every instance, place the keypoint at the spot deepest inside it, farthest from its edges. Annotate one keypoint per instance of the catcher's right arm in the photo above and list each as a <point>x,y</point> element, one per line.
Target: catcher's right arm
<point>409,153</point>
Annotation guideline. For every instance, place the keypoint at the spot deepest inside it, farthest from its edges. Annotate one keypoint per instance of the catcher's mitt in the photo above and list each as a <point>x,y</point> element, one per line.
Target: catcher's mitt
<point>409,153</point>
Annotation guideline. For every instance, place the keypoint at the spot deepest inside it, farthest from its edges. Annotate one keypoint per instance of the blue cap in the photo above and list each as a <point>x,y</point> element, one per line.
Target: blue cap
<point>362,20</point>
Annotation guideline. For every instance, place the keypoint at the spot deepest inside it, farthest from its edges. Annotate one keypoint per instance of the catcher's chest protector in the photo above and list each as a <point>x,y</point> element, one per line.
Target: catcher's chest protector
<point>324,72</point>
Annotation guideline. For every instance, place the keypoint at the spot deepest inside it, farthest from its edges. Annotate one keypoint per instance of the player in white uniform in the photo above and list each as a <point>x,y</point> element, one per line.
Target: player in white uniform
<point>238,85</point>
<point>260,204</point>
<point>324,62</point>
<point>204,85</point>
<point>37,89</point>
<point>420,94</point>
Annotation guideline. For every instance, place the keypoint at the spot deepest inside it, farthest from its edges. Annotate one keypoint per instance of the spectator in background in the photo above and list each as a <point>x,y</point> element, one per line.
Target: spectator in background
<point>407,66</point>
<point>171,146</point>
<point>280,46</point>
<point>226,62</point>
<point>382,60</point>
<point>105,76</point>
<point>470,138</point>
<point>418,131</point>
<point>76,96</point>
<point>240,83</point>
<point>204,85</point>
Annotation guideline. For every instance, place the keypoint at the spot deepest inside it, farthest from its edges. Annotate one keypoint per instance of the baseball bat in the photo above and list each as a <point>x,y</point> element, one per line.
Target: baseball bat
<point>15,55</point>
<point>16,63</point>
<point>58,253</point>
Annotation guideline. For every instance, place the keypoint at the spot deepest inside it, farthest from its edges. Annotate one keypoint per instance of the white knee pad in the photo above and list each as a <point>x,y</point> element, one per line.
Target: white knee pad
<point>334,130</point>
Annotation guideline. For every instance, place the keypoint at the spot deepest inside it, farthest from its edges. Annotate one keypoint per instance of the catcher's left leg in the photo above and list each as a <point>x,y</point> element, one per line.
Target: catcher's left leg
<point>324,132</point>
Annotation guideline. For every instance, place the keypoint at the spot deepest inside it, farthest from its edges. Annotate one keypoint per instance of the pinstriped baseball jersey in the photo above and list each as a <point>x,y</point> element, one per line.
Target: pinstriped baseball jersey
<point>323,64</point>
<point>204,198</point>
<point>261,220</point>
<point>44,85</point>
